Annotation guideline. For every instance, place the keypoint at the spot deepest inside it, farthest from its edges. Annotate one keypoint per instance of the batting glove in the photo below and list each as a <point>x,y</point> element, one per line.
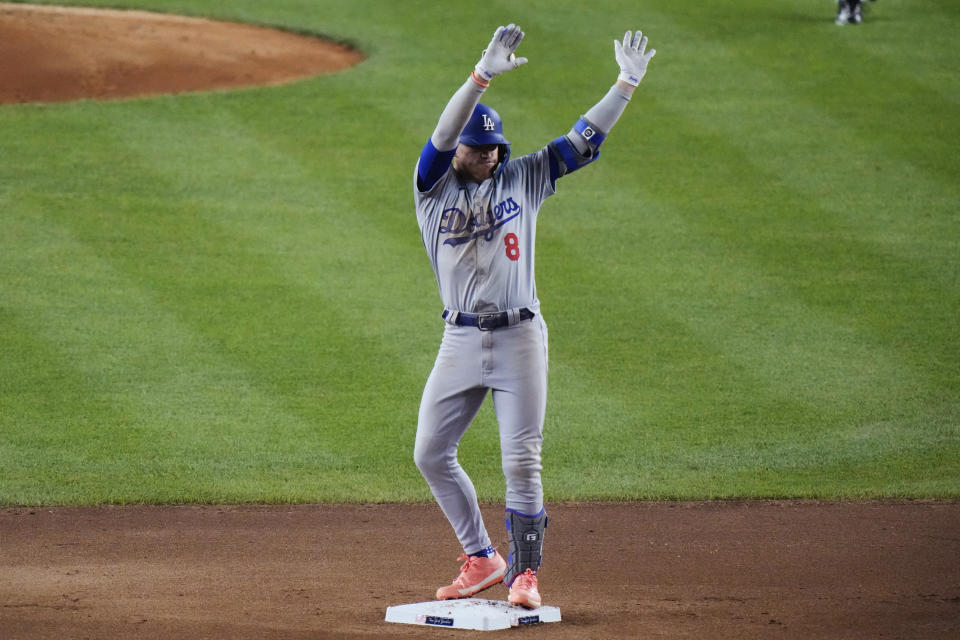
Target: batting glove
<point>631,57</point>
<point>498,57</point>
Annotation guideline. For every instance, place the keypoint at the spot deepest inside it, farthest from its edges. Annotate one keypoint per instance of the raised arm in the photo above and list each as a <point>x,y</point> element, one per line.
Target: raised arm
<point>497,58</point>
<point>581,145</point>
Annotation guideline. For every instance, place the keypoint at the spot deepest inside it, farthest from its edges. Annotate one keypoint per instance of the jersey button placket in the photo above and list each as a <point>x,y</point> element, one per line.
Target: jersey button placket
<point>479,219</point>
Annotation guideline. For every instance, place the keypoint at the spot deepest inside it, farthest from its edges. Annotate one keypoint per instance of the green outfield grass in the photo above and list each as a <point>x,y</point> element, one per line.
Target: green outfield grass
<point>755,292</point>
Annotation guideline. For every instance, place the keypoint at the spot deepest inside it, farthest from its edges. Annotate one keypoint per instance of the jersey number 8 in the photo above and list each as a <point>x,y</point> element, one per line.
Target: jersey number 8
<point>513,246</point>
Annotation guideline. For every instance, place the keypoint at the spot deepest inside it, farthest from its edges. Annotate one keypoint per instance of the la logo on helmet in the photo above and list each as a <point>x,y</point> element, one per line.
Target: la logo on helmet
<point>487,123</point>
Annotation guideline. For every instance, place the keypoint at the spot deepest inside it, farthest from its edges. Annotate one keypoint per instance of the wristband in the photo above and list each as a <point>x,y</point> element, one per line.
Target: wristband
<point>480,81</point>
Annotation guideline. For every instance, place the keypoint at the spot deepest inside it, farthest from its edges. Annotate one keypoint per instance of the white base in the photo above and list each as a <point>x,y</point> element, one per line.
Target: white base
<point>470,613</point>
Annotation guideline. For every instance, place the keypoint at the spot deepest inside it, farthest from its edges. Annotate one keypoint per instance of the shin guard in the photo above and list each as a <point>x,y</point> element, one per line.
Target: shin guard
<point>526,542</point>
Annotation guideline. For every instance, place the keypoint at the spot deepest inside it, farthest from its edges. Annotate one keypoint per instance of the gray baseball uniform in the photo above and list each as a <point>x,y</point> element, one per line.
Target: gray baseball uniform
<point>480,234</point>
<point>480,240</point>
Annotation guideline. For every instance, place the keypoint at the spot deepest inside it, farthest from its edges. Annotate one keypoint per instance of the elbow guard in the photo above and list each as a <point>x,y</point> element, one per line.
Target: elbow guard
<point>579,147</point>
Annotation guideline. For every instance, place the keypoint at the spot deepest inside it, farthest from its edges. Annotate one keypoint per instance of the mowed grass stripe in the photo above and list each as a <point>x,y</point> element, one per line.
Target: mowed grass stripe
<point>200,268</point>
<point>214,413</point>
<point>767,395</point>
<point>836,263</point>
<point>798,246</point>
<point>316,226</point>
<point>138,402</point>
<point>744,171</point>
<point>924,240</point>
<point>710,333</point>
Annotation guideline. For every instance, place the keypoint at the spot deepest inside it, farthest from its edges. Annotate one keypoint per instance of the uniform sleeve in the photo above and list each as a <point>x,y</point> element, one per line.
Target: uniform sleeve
<point>537,171</point>
<point>437,154</point>
<point>428,201</point>
<point>433,164</point>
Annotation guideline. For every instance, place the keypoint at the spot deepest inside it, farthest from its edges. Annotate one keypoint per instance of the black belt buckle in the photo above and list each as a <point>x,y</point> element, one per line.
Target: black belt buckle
<point>488,321</point>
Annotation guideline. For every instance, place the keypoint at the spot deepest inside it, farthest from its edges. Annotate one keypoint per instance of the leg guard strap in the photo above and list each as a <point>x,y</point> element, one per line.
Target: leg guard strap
<point>526,542</point>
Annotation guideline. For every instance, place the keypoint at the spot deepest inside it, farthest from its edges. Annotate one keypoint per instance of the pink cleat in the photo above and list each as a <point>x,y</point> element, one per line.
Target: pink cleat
<point>524,591</point>
<point>476,574</point>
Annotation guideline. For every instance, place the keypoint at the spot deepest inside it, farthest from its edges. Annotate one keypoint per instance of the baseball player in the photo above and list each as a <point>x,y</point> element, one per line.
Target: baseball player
<point>849,12</point>
<point>477,210</point>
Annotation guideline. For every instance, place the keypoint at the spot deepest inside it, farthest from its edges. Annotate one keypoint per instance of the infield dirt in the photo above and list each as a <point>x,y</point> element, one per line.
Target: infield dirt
<point>642,570</point>
<point>56,54</point>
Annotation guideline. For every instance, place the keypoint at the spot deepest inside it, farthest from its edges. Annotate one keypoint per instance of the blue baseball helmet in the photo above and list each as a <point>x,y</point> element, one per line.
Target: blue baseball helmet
<point>486,127</point>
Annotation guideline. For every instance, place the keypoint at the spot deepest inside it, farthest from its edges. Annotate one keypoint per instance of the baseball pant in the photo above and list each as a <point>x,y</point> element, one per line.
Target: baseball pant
<point>511,363</point>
